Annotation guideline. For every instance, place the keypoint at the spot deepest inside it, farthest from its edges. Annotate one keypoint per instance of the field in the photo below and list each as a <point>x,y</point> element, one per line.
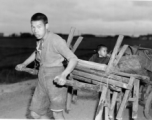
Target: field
<point>15,50</point>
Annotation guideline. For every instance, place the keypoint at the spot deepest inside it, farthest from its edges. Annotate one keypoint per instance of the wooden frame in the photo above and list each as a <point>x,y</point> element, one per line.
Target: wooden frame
<point>102,78</point>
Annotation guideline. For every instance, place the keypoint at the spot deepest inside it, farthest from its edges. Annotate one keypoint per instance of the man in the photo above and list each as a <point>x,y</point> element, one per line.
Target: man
<point>51,52</point>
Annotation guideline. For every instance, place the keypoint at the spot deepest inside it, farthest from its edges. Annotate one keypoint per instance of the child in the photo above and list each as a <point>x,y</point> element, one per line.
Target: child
<point>101,56</point>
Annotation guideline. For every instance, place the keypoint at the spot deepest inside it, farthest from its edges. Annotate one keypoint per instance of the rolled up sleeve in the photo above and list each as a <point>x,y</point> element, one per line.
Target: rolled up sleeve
<point>63,49</point>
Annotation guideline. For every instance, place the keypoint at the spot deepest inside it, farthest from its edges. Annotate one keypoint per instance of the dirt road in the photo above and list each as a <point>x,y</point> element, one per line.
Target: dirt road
<point>15,99</point>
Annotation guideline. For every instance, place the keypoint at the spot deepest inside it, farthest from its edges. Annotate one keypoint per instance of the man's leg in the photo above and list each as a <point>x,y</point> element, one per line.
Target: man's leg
<point>58,103</point>
<point>57,94</point>
<point>39,104</point>
<point>58,115</point>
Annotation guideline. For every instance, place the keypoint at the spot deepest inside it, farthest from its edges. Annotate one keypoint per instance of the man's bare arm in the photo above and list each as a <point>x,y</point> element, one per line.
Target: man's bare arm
<point>30,59</point>
<point>71,65</point>
<point>61,79</point>
<point>26,62</point>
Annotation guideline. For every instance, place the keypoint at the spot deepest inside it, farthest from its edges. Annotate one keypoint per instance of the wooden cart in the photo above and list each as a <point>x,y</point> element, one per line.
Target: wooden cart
<point>117,89</point>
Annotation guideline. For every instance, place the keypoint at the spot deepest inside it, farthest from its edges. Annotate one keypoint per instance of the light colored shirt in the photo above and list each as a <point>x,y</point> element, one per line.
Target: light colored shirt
<point>54,50</point>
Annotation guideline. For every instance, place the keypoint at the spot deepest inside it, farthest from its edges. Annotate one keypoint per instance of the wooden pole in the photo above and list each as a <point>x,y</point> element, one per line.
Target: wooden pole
<point>74,92</point>
<point>84,86</point>
<point>92,65</point>
<point>70,37</point>
<point>119,100</point>
<point>136,96</point>
<point>108,102</point>
<point>110,67</point>
<point>29,70</point>
<point>145,79</point>
<point>77,44</point>
<point>102,74</point>
<point>115,51</point>
<point>113,103</point>
<point>83,79</point>
<point>125,99</point>
<point>101,79</point>
<point>122,51</point>
<point>69,95</point>
<point>101,104</point>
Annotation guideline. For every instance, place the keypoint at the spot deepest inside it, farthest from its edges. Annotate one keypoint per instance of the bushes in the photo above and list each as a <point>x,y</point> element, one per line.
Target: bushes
<point>10,75</point>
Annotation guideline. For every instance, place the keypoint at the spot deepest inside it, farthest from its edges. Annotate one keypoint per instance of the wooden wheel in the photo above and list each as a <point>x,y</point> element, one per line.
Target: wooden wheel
<point>148,107</point>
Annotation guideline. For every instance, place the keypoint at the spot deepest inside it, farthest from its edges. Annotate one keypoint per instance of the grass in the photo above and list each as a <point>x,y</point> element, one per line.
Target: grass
<point>15,50</point>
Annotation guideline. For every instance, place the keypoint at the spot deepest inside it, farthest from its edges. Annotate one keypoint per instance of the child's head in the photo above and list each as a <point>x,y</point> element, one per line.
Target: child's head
<point>102,50</point>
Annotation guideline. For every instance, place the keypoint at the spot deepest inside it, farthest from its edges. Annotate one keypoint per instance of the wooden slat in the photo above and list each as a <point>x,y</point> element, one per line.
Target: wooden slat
<point>148,90</point>
<point>106,113</point>
<point>83,79</point>
<point>119,100</point>
<point>77,44</point>
<point>69,95</point>
<point>123,105</point>
<point>29,70</point>
<point>123,49</point>
<point>82,86</point>
<point>115,51</point>
<point>101,79</point>
<point>101,104</point>
<point>102,74</point>
<point>145,79</point>
<point>108,102</point>
<point>136,96</point>
<point>74,92</point>
<point>113,103</point>
<point>125,100</point>
<point>70,37</point>
<point>92,65</point>
<point>131,99</point>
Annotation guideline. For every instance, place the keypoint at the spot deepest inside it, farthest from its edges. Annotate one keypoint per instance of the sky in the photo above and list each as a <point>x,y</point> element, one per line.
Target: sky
<point>99,17</point>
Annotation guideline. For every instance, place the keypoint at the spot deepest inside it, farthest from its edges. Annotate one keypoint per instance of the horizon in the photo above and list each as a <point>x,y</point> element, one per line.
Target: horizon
<point>28,34</point>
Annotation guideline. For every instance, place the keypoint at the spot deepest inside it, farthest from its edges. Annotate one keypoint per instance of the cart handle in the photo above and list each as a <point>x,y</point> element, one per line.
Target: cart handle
<point>29,70</point>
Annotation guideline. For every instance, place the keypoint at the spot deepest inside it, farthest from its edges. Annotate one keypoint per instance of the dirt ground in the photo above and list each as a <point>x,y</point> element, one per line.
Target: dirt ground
<point>15,99</point>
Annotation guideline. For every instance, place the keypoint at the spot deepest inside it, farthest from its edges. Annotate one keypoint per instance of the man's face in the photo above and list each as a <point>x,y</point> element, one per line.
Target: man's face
<point>102,52</point>
<point>39,29</point>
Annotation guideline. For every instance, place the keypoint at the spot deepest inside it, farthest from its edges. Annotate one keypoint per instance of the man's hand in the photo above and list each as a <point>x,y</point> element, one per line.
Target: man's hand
<point>20,66</point>
<point>60,80</point>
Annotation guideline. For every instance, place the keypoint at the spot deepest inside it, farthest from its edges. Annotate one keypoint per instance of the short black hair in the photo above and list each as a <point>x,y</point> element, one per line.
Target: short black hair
<point>100,46</point>
<point>39,16</point>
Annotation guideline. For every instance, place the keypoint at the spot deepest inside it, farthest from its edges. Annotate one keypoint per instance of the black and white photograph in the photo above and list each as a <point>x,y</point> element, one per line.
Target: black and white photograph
<point>76,59</point>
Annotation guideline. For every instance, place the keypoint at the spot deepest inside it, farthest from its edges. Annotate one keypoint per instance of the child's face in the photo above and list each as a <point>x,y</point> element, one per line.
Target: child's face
<point>102,52</point>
